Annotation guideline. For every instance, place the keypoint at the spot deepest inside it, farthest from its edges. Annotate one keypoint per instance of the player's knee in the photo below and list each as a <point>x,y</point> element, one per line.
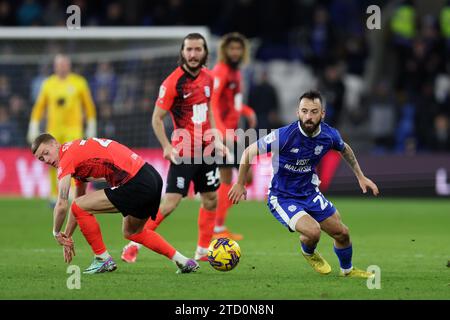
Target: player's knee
<point>210,202</point>
<point>314,233</point>
<point>167,208</point>
<point>311,235</point>
<point>343,235</point>
<point>128,235</point>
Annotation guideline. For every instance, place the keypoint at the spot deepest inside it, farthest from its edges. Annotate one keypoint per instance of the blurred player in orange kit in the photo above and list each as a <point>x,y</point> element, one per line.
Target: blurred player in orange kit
<point>185,94</point>
<point>134,190</point>
<point>227,107</point>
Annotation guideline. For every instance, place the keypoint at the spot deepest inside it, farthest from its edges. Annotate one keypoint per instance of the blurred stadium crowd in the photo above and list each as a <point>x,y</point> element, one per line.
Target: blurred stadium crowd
<point>387,89</point>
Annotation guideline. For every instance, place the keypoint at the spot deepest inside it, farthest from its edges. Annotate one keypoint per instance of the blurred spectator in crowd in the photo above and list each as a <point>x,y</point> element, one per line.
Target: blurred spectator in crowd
<point>420,67</point>
<point>114,15</point>
<point>29,13</point>
<point>54,14</point>
<point>263,98</point>
<point>356,53</point>
<point>106,126</point>
<point>332,87</point>
<point>18,115</point>
<point>382,115</point>
<point>5,89</point>
<point>6,15</point>
<point>426,109</point>
<point>439,137</point>
<point>37,81</point>
<point>403,30</point>
<point>104,83</point>
<point>322,39</point>
<point>405,141</point>
<point>8,131</point>
<point>444,20</point>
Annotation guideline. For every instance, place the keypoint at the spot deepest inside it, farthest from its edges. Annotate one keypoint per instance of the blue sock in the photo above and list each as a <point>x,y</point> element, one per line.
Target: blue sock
<point>345,256</point>
<point>306,249</point>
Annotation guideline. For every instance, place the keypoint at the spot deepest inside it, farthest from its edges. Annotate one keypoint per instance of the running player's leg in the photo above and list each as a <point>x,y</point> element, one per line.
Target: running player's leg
<point>223,203</point>
<point>134,230</point>
<point>206,219</point>
<point>178,180</point>
<point>334,227</point>
<point>309,230</point>
<point>206,182</point>
<point>291,213</point>
<point>169,203</point>
<point>83,209</point>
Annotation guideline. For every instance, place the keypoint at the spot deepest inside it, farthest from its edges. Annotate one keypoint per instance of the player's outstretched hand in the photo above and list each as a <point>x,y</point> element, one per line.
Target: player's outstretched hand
<point>365,183</point>
<point>62,239</point>
<point>236,192</point>
<point>69,252</point>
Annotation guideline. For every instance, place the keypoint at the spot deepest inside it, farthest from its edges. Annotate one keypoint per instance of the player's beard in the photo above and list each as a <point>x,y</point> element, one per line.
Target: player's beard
<point>310,129</point>
<point>194,69</point>
<point>234,64</point>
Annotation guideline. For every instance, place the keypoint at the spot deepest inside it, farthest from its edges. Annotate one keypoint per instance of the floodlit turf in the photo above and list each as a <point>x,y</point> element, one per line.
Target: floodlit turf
<point>408,239</point>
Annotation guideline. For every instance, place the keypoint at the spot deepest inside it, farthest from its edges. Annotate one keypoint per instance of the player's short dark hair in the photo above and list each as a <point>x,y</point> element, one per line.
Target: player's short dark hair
<point>312,95</point>
<point>193,36</point>
<point>42,138</point>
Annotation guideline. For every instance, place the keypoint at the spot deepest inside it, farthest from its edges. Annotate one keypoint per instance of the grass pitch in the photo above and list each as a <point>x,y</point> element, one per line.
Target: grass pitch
<point>408,239</point>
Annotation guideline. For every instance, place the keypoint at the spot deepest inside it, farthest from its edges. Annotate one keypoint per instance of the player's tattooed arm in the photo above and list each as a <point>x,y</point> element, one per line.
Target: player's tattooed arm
<point>62,205</point>
<point>350,158</point>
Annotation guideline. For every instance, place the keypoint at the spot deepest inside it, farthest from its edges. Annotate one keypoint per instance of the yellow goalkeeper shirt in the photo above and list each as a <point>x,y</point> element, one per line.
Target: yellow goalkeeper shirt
<point>64,100</point>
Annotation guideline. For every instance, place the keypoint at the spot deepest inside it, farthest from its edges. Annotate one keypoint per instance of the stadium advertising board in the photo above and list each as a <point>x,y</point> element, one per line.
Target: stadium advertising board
<point>396,175</point>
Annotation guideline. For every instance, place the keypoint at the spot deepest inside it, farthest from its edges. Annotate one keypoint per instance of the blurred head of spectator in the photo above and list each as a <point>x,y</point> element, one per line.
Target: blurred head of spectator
<point>439,139</point>
<point>29,13</point>
<point>263,98</point>
<point>54,14</point>
<point>333,89</point>
<point>114,15</point>
<point>5,89</point>
<point>104,83</point>
<point>6,15</point>
<point>382,115</point>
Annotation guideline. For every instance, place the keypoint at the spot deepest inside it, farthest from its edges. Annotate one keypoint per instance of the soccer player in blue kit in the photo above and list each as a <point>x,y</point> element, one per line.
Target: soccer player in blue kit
<point>294,196</point>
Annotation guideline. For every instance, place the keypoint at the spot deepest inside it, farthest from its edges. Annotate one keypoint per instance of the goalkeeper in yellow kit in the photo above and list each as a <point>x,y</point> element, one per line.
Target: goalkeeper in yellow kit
<point>68,100</point>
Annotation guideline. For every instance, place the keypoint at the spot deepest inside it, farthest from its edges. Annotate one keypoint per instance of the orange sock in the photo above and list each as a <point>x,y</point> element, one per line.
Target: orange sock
<point>153,224</point>
<point>155,242</point>
<point>90,228</point>
<point>223,203</point>
<point>206,221</point>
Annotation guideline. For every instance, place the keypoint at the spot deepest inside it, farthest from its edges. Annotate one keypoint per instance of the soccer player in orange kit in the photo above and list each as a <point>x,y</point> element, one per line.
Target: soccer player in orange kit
<point>134,190</point>
<point>185,94</point>
<point>227,106</point>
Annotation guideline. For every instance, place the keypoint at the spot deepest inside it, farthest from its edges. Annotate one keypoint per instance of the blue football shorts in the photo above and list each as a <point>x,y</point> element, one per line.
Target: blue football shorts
<point>287,210</point>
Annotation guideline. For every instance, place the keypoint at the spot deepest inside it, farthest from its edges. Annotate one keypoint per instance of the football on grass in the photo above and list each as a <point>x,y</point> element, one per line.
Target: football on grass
<point>224,254</point>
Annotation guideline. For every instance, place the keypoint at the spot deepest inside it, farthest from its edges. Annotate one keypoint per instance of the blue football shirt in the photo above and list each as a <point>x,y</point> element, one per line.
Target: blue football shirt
<point>295,156</point>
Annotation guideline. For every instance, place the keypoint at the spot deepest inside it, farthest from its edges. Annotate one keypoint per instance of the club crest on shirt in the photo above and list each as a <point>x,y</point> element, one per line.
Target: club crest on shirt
<point>207,91</point>
<point>294,150</point>
<point>318,150</point>
<point>292,208</point>
<point>162,91</point>
<point>271,137</point>
<point>66,146</point>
